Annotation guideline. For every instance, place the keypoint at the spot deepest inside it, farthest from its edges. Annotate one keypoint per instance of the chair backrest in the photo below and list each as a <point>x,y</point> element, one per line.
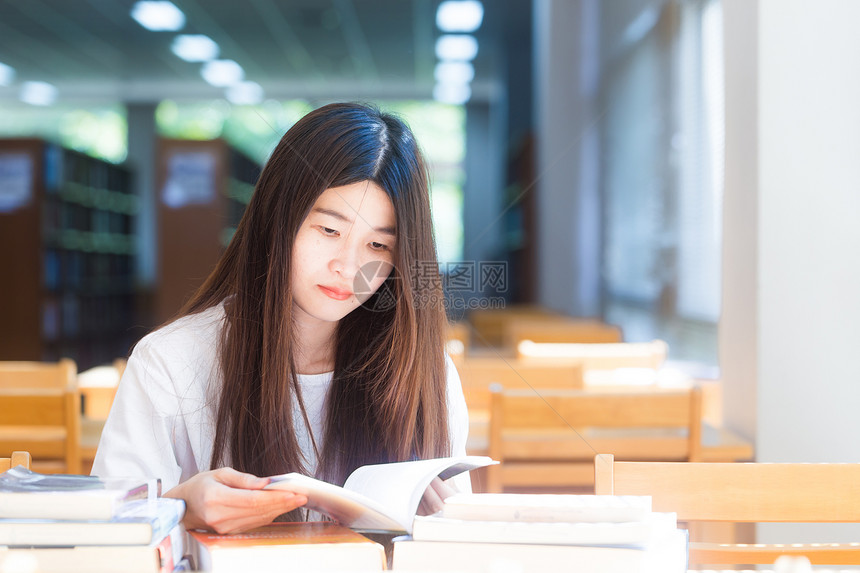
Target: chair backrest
<point>598,356</point>
<point>490,325</point>
<point>40,411</point>
<point>98,388</point>
<point>17,459</point>
<point>478,374</point>
<point>577,331</point>
<point>743,492</point>
<point>457,340</point>
<point>541,427</point>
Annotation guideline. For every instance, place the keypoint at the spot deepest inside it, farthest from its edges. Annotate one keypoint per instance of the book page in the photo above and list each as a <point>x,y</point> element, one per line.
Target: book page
<point>399,486</point>
<point>381,497</point>
<point>347,507</point>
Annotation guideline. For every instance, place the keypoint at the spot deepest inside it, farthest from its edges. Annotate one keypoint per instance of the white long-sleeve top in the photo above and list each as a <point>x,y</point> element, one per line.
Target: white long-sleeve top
<point>162,422</point>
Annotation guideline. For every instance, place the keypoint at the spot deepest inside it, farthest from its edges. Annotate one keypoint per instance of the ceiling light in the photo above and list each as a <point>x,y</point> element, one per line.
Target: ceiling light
<point>38,93</point>
<point>459,16</point>
<point>456,47</point>
<point>454,72</point>
<point>222,73</point>
<point>158,16</point>
<point>7,74</point>
<point>245,93</point>
<point>194,47</point>
<point>456,94</point>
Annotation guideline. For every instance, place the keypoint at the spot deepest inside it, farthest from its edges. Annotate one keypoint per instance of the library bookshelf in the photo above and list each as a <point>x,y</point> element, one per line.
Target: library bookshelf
<point>68,254</point>
<point>202,190</point>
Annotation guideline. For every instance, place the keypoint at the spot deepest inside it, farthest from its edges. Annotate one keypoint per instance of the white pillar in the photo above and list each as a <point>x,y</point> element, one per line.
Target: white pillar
<point>141,158</point>
<point>790,329</point>
<point>568,208</point>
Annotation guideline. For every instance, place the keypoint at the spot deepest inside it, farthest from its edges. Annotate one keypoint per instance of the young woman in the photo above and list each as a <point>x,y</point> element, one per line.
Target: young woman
<point>311,347</point>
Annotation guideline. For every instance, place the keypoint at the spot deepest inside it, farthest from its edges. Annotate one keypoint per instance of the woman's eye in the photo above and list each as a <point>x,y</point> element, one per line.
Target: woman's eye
<point>328,231</point>
<point>378,246</point>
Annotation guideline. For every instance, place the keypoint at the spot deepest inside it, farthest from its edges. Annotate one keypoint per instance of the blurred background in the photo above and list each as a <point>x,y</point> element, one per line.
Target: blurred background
<point>636,87</point>
<point>684,170</point>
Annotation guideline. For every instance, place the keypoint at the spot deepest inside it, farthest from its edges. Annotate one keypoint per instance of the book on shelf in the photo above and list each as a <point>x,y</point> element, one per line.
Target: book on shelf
<point>667,556</point>
<point>547,507</point>
<point>305,546</point>
<point>139,522</point>
<point>377,497</point>
<point>161,556</point>
<point>28,494</point>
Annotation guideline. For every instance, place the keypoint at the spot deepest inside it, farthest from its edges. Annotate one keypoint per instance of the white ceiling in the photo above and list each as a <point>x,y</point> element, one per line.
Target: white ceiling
<point>93,50</point>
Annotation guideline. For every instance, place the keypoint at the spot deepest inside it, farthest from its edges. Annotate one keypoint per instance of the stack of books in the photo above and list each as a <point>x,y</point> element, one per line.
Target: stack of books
<point>544,532</point>
<point>73,523</point>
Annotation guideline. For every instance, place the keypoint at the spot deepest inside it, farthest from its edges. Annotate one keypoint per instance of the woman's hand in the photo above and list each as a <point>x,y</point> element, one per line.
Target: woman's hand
<point>434,497</point>
<point>228,501</point>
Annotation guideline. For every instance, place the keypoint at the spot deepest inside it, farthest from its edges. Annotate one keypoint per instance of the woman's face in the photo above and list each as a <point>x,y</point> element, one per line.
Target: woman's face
<point>344,251</point>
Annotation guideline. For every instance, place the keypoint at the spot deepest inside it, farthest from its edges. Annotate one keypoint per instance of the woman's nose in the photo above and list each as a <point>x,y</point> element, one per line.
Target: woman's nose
<point>346,262</point>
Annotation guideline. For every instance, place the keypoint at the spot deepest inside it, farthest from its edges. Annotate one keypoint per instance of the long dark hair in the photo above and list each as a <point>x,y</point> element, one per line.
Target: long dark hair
<point>387,401</point>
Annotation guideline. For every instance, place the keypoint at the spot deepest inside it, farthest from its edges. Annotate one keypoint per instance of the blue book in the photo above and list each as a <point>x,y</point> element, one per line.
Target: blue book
<point>140,522</point>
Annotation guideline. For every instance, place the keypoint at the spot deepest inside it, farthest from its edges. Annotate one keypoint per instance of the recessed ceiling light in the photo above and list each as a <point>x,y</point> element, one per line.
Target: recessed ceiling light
<point>38,93</point>
<point>194,47</point>
<point>456,47</point>
<point>7,74</point>
<point>454,72</point>
<point>456,94</point>
<point>222,73</point>
<point>459,16</point>
<point>158,16</point>
<point>245,93</point>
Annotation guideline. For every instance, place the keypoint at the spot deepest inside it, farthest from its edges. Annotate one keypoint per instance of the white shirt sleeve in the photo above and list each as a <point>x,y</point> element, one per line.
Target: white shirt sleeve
<point>458,424</point>
<point>160,424</point>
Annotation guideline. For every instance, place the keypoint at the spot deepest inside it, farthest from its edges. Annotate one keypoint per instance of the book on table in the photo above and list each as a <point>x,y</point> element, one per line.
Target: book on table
<point>539,532</point>
<point>668,557</point>
<point>28,494</point>
<point>377,497</point>
<point>306,546</point>
<point>139,522</point>
<point>547,507</point>
<point>605,533</point>
<point>160,556</point>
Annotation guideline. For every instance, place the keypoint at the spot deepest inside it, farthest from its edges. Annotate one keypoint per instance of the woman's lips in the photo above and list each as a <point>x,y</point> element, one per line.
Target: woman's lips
<point>335,293</point>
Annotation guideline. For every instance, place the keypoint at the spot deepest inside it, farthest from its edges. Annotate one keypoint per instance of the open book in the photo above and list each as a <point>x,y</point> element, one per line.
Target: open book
<point>379,497</point>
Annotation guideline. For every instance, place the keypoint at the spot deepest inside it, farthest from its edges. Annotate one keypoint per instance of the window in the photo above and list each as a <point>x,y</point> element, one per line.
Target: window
<point>662,176</point>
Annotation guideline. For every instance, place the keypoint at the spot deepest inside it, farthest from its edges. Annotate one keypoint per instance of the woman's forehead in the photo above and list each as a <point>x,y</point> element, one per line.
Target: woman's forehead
<point>364,200</point>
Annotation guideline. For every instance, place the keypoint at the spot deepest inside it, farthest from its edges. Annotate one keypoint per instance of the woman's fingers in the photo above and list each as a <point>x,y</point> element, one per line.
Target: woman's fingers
<point>434,497</point>
<point>255,513</point>
<point>227,501</point>
<point>237,479</point>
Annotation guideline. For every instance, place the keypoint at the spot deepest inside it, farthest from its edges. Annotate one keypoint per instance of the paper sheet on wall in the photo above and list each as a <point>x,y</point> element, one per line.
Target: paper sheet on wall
<point>16,181</point>
<point>190,179</point>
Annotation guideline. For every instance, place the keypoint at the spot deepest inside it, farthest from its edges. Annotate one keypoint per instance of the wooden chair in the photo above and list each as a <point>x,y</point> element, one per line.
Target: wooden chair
<point>457,340</point>
<point>478,374</point>
<point>98,388</point>
<point>548,438</point>
<point>17,459</point>
<point>569,330</point>
<point>40,412</point>
<point>490,325</point>
<point>607,356</point>
<point>744,492</point>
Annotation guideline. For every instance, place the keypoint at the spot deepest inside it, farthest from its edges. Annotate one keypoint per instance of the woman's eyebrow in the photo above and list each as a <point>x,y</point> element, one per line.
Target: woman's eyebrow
<point>341,217</point>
